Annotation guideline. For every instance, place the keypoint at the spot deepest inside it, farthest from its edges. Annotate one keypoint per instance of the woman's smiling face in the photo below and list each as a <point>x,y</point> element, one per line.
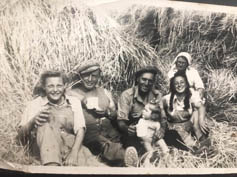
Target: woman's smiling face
<point>180,84</point>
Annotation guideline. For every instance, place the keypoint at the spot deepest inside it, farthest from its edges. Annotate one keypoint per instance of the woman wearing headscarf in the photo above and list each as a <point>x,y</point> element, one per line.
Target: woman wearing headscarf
<point>182,62</point>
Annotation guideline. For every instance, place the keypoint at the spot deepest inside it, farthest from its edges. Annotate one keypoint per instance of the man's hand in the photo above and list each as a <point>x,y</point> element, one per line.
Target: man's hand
<point>42,117</point>
<point>71,159</point>
<point>132,130</point>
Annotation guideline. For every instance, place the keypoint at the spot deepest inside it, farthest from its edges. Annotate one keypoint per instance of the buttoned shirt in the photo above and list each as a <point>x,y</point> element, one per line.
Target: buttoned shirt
<point>41,103</point>
<point>130,104</point>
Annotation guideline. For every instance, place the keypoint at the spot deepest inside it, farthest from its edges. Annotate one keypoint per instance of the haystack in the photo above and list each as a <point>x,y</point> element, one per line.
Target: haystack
<point>211,40</point>
<point>209,37</point>
<point>36,36</point>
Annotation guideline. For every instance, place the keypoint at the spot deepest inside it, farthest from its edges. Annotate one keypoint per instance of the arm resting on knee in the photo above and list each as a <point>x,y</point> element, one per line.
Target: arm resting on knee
<point>72,158</point>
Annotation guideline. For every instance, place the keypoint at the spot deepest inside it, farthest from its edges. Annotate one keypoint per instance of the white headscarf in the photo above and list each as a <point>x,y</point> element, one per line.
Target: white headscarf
<point>173,69</point>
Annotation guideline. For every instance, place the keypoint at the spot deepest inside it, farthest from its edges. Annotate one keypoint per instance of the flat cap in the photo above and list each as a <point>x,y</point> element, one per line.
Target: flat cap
<point>146,69</point>
<point>88,68</point>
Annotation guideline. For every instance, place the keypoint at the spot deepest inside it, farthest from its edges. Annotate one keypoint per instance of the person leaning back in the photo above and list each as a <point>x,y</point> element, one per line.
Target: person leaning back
<point>57,120</point>
<point>100,112</point>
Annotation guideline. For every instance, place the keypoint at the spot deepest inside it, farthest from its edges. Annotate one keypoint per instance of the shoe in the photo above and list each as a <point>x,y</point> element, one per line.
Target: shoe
<point>131,158</point>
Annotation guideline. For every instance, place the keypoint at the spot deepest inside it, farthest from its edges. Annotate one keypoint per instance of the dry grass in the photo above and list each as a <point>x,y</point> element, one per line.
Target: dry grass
<point>224,139</point>
<point>211,40</point>
<point>35,37</point>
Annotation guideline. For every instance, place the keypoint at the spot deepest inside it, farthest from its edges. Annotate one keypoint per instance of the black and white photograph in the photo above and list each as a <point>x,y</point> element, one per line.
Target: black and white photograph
<point>118,87</point>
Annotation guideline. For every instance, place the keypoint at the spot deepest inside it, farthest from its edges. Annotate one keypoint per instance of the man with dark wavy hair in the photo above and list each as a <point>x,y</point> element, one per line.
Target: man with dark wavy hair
<point>130,107</point>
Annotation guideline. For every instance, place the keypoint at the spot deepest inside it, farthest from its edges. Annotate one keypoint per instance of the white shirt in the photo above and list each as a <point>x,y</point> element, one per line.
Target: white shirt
<point>35,106</point>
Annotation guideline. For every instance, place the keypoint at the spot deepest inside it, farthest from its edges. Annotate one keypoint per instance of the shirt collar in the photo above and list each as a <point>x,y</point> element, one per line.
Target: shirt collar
<point>45,101</point>
<point>139,99</point>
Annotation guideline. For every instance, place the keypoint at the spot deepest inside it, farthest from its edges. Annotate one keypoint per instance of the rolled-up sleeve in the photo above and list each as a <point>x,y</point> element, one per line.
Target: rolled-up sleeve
<point>124,106</point>
<point>195,77</point>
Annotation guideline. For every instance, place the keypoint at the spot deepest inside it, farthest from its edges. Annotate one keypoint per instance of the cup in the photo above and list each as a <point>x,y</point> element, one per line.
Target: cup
<point>92,103</point>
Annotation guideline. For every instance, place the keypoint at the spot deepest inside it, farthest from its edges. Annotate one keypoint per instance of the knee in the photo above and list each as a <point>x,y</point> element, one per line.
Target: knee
<point>123,127</point>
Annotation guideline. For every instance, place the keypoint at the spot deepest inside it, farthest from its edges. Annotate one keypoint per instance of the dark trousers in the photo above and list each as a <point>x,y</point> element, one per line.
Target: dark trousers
<point>172,138</point>
<point>103,140</point>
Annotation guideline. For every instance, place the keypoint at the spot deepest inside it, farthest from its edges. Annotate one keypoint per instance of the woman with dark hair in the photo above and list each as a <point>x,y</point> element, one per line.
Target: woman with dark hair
<point>179,107</point>
<point>182,63</point>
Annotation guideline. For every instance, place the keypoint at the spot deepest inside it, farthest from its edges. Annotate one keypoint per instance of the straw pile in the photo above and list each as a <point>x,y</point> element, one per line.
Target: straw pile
<point>211,40</point>
<point>36,37</point>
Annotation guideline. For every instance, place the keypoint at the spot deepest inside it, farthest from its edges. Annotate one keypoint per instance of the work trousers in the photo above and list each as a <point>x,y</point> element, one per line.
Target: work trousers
<point>55,144</point>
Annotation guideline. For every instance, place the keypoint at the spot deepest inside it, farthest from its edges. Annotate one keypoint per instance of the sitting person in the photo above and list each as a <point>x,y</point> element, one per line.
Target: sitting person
<point>182,64</point>
<point>130,106</point>
<point>148,126</point>
<point>54,122</point>
<point>179,107</point>
<point>100,112</point>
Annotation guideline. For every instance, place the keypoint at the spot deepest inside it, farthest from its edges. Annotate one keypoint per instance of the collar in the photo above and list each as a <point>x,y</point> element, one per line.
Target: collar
<point>45,101</point>
<point>138,97</point>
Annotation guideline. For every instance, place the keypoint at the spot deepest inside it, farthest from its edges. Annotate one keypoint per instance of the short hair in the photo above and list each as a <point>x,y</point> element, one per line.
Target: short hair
<point>39,88</point>
<point>48,74</point>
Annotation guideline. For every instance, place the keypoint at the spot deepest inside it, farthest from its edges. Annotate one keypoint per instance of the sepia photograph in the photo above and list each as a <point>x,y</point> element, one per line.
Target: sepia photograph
<point>118,87</point>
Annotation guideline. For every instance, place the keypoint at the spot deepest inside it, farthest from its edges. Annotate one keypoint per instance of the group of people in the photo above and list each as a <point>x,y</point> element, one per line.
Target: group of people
<point>79,124</point>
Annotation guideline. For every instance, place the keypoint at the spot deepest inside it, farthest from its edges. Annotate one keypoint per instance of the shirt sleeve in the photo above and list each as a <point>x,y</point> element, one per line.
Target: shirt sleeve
<point>79,119</point>
<point>25,116</point>
<point>197,80</point>
<point>111,101</point>
<point>31,110</point>
<point>172,71</point>
<point>195,99</point>
<point>124,106</point>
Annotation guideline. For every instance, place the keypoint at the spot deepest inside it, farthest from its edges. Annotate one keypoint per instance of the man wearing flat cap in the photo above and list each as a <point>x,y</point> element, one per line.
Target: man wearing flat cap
<point>99,110</point>
<point>131,104</point>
